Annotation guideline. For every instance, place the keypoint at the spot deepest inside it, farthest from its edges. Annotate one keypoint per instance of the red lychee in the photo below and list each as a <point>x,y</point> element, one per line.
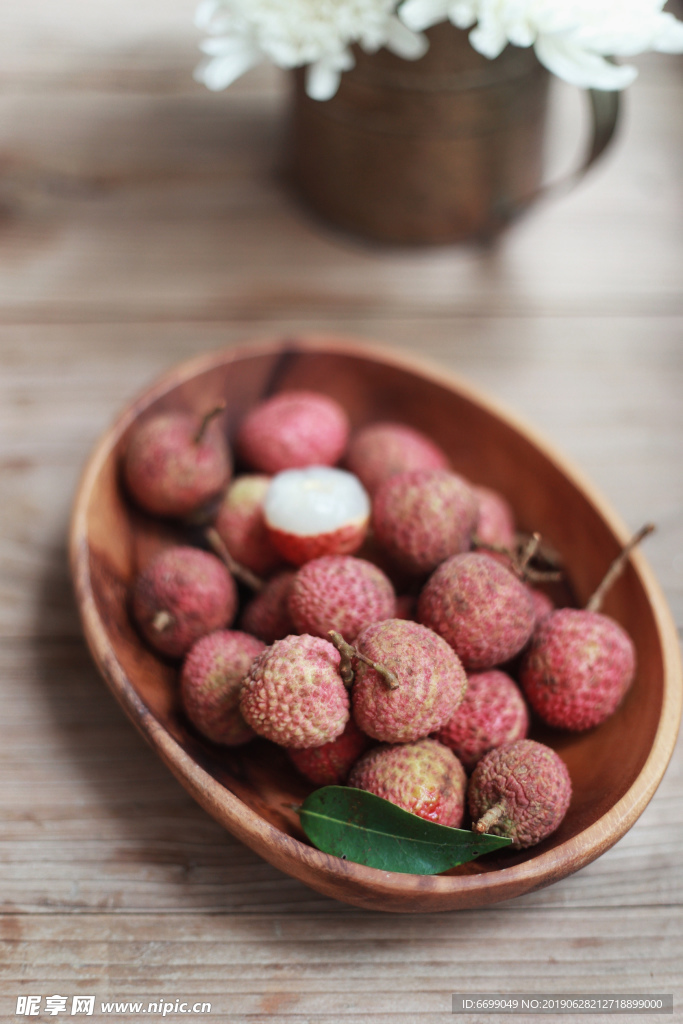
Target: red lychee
<point>329,764</point>
<point>481,608</point>
<point>492,713</point>
<point>342,593</point>
<point>429,681</point>
<point>267,614</point>
<point>423,777</point>
<point>424,516</point>
<point>294,694</point>
<point>242,528</point>
<point>291,430</point>
<point>521,791</point>
<point>496,520</point>
<point>316,511</point>
<point>180,596</point>
<point>542,603</point>
<point>177,464</point>
<point>210,684</point>
<point>380,450</point>
<point>578,668</point>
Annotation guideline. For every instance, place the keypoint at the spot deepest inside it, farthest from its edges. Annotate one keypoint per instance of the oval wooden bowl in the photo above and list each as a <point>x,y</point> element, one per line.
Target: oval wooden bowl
<point>615,768</point>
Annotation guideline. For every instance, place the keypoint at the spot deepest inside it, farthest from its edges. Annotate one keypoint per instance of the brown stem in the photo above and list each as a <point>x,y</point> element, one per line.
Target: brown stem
<point>498,549</point>
<point>519,559</point>
<point>348,652</point>
<point>240,572</point>
<point>206,419</point>
<point>491,818</point>
<point>616,568</point>
<point>527,552</point>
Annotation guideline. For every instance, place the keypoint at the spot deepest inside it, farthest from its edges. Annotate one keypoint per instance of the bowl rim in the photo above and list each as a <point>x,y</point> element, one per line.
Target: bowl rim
<point>284,851</point>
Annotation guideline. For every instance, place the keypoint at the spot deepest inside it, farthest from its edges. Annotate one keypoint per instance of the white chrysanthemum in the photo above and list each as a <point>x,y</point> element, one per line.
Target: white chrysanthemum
<point>572,38</point>
<point>292,33</point>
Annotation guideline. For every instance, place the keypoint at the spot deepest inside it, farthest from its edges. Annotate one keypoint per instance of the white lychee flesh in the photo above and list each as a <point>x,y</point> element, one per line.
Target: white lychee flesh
<point>315,500</point>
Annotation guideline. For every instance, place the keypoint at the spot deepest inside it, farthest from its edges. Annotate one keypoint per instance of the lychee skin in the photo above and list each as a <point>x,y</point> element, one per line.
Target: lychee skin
<point>241,526</point>
<point>267,614</point>
<point>291,430</point>
<point>542,603</point>
<point>425,778</point>
<point>381,450</point>
<point>431,681</point>
<point>481,608</point>
<point>530,785</point>
<point>330,764</point>
<point>424,516</point>
<point>491,714</point>
<point>496,519</point>
<point>180,596</point>
<point>294,695</point>
<point>210,683</point>
<point>341,593</point>
<point>578,668</point>
<point>168,473</point>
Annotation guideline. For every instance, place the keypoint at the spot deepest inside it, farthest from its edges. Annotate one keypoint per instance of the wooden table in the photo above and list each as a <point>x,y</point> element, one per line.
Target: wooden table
<point>142,222</point>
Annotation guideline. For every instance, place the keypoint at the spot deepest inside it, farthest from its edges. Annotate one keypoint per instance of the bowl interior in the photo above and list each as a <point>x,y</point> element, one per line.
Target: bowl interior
<point>484,446</point>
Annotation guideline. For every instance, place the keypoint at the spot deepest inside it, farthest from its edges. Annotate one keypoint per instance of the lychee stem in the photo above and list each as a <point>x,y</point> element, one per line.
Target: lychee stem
<point>348,652</point>
<point>616,568</point>
<point>519,560</point>
<point>240,572</point>
<point>206,419</point>
<point>491,818</point>
<point>161,621</point>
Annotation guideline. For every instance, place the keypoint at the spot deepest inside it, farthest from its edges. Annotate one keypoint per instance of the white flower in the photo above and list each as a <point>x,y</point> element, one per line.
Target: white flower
<point>572,38</point>
<point>292,33</point>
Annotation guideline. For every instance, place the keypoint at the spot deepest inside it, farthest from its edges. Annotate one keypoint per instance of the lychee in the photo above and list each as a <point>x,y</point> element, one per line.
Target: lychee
<point>180,596</point>
<point>412,686</point>
<point>294,695</point>
<point>425,778</point>
<point>177,464</point>
<point>492,713</point>
<point>210,684</point>
<point>480,607</point>
<point>496,519</point>
<point>330,764</point>
<point>543,605</point>
<point>267,613</point>
<point>316,511</point>
<point>342,593</point>
<point>581,663</point>
<point>424,516</point>
<point>241,526</point>
<point>381,450</point>
<point>578,668</point>
<point>291,430</point>
<point>521,790</point>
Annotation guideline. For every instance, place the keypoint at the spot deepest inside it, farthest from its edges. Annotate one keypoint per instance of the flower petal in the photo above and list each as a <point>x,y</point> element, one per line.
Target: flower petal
<point>323,76</point>
<point>421,14</point>
<point>403,42</point>
<point>221,71</point>
<point>579,67</point>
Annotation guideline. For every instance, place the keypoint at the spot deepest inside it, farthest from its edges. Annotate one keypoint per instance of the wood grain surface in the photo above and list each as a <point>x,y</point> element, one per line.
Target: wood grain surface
<point>142,222</point>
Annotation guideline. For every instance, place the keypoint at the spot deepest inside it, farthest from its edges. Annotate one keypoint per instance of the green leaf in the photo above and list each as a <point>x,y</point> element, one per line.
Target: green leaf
<point>364,828</point>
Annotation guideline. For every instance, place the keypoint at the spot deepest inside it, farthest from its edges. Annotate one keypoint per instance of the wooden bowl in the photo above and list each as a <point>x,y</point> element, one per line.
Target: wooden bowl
<point>615,768</point>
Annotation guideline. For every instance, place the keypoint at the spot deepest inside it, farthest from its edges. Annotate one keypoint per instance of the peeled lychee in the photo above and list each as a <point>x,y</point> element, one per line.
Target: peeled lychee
<point>481,608</point>
<point>291,430</point>
<point>578,668</point>
<point>316,511</point>
<point>242,528</point>
<point>177,464</point>
<point>380,450</point>
<point>424,516</point>
<point>180,596</point>
<point>267,613</point>
<point>210,684</point>
<point>429,681</point>
<point>521,791</point>
<point>423,777</point>
<point>492,713</point>
<point>329,764</point>
<point>294,694</point>
<point>342,593</point>
<point>496,520</point>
